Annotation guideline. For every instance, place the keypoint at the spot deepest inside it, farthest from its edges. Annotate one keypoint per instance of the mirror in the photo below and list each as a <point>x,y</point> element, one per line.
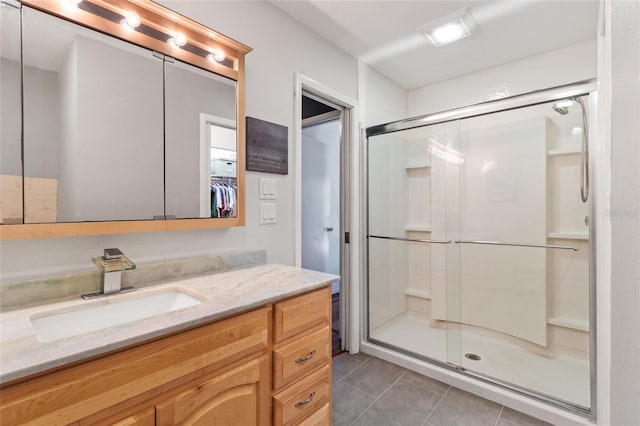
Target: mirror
<point>93,125</point>
<point>126,121</point>
<point>10,119</point>
<point>200,132</point>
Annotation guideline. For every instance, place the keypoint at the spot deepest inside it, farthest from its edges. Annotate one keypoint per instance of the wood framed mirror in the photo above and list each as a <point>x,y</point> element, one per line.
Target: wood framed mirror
<point>130,119</point>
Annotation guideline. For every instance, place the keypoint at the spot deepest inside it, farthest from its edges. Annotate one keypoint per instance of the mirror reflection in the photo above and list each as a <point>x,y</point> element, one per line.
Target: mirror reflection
<point>112,131</point>
<point>10,119</point>
<point>93,125</point>
<point>200,140</point>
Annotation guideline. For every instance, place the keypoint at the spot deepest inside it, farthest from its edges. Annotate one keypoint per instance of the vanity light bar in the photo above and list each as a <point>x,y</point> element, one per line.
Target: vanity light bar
<point>177,39</point>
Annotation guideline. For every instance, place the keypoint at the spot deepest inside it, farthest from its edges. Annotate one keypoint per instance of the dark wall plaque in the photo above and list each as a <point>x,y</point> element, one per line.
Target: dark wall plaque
<point>267,147</point>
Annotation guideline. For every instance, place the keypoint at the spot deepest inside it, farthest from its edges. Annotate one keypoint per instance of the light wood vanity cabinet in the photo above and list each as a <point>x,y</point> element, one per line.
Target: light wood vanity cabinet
<point>302,359</point>
<point>237,371</point>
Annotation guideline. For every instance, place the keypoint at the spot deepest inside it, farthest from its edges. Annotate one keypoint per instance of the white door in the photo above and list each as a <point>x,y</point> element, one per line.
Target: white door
<point>321,198</point>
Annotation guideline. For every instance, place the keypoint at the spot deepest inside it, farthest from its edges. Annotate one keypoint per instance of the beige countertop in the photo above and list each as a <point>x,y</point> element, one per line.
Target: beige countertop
<point>223,294</point>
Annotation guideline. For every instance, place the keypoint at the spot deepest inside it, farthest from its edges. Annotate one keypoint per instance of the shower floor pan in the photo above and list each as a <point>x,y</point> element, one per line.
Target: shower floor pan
<point>561,376</point>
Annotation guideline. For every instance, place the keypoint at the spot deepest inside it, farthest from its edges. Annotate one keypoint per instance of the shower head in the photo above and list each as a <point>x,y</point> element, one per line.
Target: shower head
<point>562,107</point>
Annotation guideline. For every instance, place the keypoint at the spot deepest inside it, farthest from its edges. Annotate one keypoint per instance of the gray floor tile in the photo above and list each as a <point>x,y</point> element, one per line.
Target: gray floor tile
<point>374,376</point>
<point>345,364</point>
<point>459,408</point>
<point>516,418</point>
<point>404,404</point>
<point>348,403</point>
<point>425,382</point>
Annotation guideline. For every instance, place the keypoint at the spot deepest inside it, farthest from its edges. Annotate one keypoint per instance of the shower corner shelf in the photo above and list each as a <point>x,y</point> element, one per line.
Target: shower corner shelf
<point>417,165</point>
<point>415,292</point>
<point>563,151</point>
<point>417,228</point>
<point>571,323</point>
<point>568,235</point>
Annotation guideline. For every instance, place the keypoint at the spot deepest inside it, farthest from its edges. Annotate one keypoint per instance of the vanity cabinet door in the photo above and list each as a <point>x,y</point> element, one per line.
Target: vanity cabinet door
<point>237,397</point>
<point>144,418</point>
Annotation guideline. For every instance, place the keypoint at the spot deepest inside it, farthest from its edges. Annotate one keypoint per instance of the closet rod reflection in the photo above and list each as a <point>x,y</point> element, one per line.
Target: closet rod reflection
<point>496,243</point>
<point>411,240</point>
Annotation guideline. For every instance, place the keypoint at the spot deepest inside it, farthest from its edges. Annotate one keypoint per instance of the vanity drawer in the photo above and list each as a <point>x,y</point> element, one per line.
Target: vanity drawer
<point>322,417</point>
<point>302,313</point>
<point>302,398</point>
<point>301,356</point>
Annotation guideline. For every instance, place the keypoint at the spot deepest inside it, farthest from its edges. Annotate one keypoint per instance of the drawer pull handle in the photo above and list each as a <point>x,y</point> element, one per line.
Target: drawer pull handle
<point>306,358</point>
<point>306,401</point>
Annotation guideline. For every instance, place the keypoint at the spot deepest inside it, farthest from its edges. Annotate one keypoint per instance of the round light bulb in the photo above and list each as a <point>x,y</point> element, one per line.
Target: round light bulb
<point>216,55</point>
<point>132,19</point>
<point>178,39</point>
<point>219,55</point>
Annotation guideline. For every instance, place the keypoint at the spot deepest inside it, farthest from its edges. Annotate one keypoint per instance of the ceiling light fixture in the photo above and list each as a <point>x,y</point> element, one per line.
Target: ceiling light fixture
<point>178,39</point>
<point>131,19</point>
<point>454,26</point>
<point>76,2</point>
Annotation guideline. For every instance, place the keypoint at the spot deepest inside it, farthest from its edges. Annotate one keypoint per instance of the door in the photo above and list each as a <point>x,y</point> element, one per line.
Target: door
<point>238,397</point>
<point>321,198</point>
<point>323,209</point>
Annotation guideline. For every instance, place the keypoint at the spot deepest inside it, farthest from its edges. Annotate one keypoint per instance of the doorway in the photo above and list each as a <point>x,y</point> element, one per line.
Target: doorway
<point>321,196</point>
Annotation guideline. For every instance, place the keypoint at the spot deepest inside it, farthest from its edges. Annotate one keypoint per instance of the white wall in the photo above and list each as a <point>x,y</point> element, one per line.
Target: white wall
<point>555,68</point>
<point>625,212</point>
<point>380,99</point>
<point>281,46</point>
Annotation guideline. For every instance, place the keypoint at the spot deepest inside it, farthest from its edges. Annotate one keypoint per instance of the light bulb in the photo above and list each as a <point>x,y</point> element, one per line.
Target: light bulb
<point>178,39</point>
<point>132,19</point>
<point>217,55</point>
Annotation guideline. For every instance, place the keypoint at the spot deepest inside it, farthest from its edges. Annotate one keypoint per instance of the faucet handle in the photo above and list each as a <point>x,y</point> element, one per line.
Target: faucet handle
<point>113,253</point>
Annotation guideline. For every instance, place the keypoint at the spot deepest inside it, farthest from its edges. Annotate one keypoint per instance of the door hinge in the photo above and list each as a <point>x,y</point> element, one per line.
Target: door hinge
<point>347,237</point>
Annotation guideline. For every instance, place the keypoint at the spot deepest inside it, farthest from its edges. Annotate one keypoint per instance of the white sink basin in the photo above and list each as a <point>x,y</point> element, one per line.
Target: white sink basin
<point>54,326</point>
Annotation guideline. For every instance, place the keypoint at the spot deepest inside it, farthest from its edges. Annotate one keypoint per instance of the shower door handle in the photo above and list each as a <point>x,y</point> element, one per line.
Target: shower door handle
<point>497,243</point>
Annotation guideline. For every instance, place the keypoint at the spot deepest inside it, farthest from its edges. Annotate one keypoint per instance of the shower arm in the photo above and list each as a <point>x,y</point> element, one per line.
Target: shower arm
<point>584,157</point>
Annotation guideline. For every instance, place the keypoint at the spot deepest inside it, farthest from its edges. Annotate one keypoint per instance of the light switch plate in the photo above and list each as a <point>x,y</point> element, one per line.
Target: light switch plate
<point>267,189</point>
<point>268,213</point>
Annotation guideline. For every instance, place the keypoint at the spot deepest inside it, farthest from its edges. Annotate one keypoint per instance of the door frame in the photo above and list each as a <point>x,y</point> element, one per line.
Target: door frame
<point>349,206</point>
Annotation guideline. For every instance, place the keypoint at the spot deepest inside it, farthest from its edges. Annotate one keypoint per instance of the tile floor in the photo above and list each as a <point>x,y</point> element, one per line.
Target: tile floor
<point>368,391</point>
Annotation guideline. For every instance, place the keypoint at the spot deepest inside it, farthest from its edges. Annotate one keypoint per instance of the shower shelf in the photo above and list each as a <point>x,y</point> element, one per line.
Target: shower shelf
<point>414,292</point>
<point>568,235</point>
<point>417,165</point>
<point>417,228</point>
<point>569,323</point>
<point>563,151</point>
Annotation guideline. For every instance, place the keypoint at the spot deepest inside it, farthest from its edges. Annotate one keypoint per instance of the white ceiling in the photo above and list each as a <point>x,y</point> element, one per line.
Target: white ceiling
<point>383,33</point>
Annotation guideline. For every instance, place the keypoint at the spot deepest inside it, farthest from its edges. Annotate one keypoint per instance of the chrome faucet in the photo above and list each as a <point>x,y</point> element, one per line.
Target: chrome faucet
<point>111,266</point>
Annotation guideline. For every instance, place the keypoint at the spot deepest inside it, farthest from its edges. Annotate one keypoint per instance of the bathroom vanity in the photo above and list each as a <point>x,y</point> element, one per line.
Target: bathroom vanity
<point>257,350</point>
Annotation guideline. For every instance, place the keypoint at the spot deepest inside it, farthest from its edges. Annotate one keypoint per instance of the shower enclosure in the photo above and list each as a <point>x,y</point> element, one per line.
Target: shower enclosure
<point>479,244</point>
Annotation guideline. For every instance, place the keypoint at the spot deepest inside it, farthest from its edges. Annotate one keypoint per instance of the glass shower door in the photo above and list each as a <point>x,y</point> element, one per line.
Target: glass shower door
<point>407,242</point>
<point>518,271</point>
